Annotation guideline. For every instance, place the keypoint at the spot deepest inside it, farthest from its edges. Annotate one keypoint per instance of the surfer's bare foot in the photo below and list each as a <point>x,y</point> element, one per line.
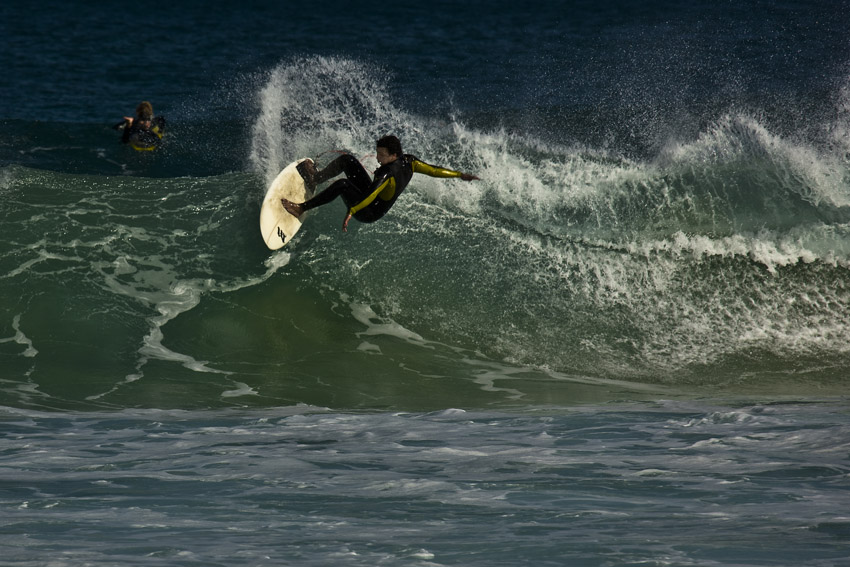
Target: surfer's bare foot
<point>294,209</point>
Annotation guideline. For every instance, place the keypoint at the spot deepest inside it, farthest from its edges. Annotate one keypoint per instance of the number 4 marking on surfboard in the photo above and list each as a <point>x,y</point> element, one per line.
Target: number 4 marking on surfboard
<point>281,234</point>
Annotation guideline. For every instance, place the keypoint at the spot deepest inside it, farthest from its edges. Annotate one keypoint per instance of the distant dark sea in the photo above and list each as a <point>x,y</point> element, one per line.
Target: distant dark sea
<point>627,344</point>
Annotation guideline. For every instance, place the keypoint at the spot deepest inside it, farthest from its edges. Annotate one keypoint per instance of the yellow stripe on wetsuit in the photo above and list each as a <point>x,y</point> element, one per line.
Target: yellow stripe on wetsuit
<point>386,190</point>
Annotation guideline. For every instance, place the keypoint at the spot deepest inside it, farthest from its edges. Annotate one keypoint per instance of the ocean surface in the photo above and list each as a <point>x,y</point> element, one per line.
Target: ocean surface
<point>627,344</point>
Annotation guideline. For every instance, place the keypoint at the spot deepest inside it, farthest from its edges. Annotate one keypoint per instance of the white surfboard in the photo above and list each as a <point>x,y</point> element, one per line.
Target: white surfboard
<point>276,224</point>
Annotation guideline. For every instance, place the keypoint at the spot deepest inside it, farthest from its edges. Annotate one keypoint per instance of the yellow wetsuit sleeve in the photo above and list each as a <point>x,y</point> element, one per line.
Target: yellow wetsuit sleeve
<point>433,170</point>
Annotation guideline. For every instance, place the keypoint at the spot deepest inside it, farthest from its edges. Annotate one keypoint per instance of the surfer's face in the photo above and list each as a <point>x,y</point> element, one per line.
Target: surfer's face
<point>385,157</point>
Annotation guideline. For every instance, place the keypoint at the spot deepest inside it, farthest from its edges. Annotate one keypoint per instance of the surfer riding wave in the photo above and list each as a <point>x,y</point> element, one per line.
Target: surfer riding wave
<point>367,199</point>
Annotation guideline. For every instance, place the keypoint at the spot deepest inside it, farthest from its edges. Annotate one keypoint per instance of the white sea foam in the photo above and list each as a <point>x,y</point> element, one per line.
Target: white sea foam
<point>20,338</point>
<point>241,389</point>
<point>376,325</point>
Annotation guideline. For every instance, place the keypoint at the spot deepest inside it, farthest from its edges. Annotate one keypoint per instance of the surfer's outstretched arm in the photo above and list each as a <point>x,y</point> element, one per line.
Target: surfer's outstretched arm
<point>420,166</point>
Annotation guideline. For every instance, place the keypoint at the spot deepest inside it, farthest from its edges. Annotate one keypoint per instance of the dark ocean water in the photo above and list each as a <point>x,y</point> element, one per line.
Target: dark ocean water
<point>627,344</point>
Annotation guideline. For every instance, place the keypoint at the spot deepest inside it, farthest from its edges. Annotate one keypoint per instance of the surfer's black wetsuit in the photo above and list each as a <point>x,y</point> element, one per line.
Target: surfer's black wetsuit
<point>144,139</point>
<point>370,199</point>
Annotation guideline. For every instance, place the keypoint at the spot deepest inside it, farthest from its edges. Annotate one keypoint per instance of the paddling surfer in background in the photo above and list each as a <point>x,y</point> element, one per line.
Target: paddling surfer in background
<point>144,132</point>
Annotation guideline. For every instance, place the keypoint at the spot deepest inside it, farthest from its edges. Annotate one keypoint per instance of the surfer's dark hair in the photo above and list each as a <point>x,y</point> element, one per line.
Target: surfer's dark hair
<point>144,110</point>
<point>392,144</point>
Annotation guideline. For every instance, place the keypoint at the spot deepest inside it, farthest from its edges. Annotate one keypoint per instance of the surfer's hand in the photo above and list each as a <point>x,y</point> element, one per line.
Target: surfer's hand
<point>345,223</point>
<point>469,177</point>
